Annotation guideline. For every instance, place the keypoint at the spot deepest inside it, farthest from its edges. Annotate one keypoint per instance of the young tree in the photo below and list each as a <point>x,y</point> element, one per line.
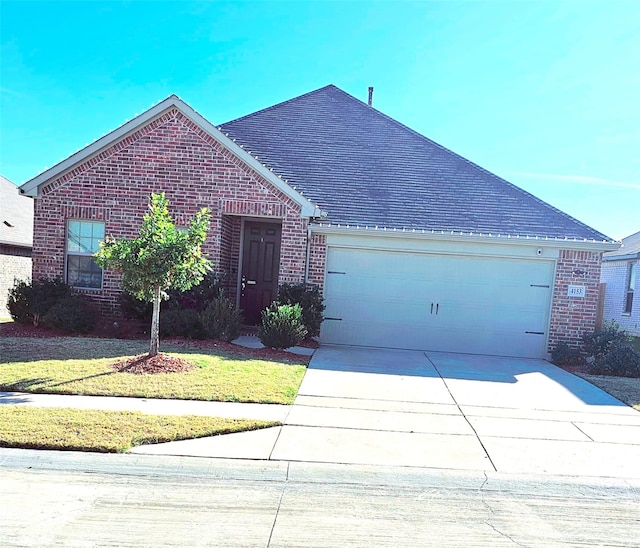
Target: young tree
<point>162,257</point>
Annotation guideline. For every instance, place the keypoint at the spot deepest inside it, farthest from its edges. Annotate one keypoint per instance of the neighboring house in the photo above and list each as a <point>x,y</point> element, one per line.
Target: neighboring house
<point>16,239</point>
<point>621,273</point>
<point>413,246</point>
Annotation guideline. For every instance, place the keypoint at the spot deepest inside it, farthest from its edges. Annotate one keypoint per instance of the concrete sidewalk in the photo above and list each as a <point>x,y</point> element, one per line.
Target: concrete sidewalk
<point>228,410</point>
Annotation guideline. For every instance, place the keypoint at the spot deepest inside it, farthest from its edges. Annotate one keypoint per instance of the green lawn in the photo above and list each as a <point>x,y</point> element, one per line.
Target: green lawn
<point>105,431</point>
<point>635,342</point>
<point>78,365</point>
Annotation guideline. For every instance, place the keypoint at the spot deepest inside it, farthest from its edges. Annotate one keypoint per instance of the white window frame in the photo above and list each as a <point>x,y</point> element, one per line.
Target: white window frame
<point>80,250</point>
<point>632,276</point>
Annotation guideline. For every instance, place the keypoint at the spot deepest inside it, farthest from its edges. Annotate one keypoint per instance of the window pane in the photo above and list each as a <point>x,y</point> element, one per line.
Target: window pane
<point>628,305</point>
<point>632,276</point>
<point>98,231</point>
<point>73,238</point>
<point>82,271</point>
<point>86,229</point>
<point>84,236</point>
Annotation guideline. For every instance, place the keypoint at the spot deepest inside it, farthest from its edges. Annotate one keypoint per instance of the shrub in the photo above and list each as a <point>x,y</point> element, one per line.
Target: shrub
<point>18,302</point>
<point>198,297</point>
<point>310,300</point>
<point>597,343</point>
<point>564,355</point>
<point>29,302</point>
<point>282,325</point>
<point>134,308</point>
<point>72,314</point>
<point>221,320</point>
<point>181,323</point>
<point>620,360</point>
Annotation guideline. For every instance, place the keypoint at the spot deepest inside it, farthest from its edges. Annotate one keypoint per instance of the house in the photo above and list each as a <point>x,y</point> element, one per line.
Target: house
<point>621,274</point>
<point>16,237</point>
<point>412,245</point>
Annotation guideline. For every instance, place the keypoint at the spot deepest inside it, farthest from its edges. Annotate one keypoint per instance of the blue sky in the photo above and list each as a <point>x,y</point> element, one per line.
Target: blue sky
<point>544,94</point>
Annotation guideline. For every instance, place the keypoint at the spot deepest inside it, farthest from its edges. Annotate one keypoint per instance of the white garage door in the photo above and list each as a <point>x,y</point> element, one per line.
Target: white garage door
<point>450,303</point>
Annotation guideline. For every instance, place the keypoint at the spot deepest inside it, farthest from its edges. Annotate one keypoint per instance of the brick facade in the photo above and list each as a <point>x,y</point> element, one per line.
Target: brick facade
<point>173,155</point>
<point>571,317</point>
<point>317,259</point>
<point>615,274</point>
<point>15,264</point>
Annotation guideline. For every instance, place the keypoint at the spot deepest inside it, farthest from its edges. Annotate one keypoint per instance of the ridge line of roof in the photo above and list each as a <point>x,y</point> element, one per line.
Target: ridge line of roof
<point>281,103</point>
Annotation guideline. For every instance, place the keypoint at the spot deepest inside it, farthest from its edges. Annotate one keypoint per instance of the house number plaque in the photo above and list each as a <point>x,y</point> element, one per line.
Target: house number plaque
<point>576,291</point>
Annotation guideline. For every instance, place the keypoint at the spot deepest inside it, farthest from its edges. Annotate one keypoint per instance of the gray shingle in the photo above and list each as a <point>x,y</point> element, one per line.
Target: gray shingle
<point>364,168</point>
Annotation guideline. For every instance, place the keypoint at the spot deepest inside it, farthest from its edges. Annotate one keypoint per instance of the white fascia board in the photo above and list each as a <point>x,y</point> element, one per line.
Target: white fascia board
<point>629,257</point>
<point>456,236</point>
<point>31,187</point>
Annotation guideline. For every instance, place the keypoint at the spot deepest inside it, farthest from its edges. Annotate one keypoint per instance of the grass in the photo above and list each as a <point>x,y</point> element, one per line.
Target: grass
<point>635,342</point>
<point>106,431</point>
<point>78,365</point>
<point>627,390</point>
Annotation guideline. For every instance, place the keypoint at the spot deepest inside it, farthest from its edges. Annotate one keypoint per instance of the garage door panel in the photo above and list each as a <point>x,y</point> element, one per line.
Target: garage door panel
<point>437,302</point>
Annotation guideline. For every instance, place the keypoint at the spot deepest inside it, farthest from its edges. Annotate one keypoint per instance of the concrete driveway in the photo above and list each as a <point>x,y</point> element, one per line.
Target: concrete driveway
<point>441,410</point>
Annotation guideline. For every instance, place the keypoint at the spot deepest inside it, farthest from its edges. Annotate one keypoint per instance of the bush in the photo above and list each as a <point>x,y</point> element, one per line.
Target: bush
<point>72,314</point>
<point>282,325</point>
<point>29,302</point>
<point>18,302</point>
<point>198,297</point>
<point>221,320</point>
<point>310,300</point>
<point>134,308</point>
<point>620,360</point>
<point>564,355</point>
<point>181,323</point>
<point>597,343</point>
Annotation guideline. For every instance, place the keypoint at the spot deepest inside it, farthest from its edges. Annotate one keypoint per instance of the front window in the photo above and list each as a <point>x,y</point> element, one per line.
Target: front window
<point>83,239</point>
<point>631,285</point>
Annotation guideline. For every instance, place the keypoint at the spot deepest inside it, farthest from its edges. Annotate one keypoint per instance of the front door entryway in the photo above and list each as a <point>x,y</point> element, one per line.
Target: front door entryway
<point>260,266</point>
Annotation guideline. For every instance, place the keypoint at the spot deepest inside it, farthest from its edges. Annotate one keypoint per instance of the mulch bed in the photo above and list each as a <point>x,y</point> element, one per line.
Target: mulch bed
<point>162,363</point>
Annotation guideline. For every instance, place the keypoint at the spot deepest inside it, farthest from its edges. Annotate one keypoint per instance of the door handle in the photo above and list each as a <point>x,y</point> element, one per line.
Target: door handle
<point>251,282</point>
<point>437,307</point>
<point>431,308</point>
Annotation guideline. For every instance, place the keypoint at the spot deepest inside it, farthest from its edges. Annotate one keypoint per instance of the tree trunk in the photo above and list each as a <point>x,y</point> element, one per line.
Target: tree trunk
<point>155,323</point>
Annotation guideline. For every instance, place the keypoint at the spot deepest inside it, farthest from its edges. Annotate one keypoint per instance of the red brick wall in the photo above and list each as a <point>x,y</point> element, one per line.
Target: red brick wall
<point>171,155</point>
<point>571,317</point>
<point>317,258</point>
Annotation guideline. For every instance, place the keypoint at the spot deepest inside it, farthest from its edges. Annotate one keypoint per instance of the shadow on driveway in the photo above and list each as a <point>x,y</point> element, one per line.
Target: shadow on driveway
<point>473,379</point>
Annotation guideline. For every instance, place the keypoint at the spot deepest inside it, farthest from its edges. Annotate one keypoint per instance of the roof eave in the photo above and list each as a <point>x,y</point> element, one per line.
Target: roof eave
<point>13,243</point>
<point>563,243</point>
<point>31,188</point>
<point>628,257</point>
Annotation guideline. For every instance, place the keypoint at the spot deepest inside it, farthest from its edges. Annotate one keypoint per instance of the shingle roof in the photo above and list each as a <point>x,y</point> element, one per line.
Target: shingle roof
<point>16,216</point>
<point>365,168</point>
<point>630,249</point>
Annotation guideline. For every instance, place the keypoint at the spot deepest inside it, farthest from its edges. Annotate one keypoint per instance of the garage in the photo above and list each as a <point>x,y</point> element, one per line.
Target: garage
<point>435,301</point>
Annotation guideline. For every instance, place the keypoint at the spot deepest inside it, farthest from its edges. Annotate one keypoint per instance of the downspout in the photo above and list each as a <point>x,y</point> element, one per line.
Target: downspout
<point>306,263</point>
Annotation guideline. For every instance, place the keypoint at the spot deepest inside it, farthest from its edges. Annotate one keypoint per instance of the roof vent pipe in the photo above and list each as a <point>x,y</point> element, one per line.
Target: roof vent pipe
<point>370,102</point>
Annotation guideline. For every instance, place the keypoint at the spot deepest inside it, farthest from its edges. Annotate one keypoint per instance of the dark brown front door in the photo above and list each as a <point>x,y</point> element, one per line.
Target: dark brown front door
<point>260,265</point>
